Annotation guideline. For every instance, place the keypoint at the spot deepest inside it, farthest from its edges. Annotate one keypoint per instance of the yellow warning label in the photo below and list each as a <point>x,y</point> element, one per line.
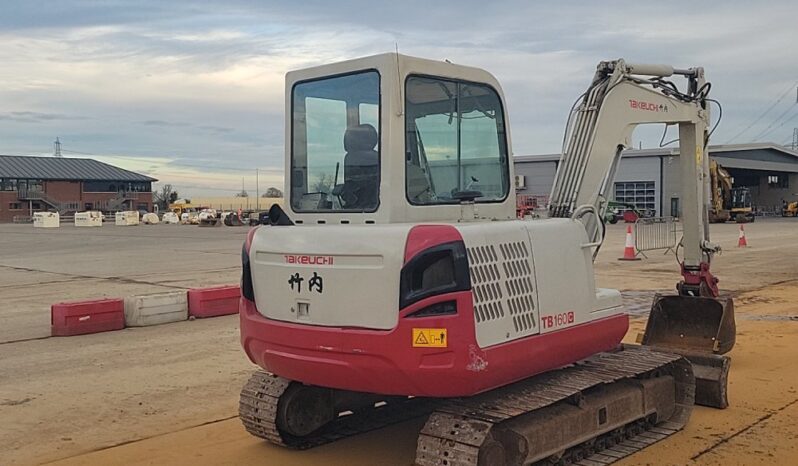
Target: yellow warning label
<point>698,155</point>
<point>430,338</point>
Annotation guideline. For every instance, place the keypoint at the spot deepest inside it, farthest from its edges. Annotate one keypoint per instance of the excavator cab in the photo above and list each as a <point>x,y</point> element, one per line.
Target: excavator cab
<point>742,210</point>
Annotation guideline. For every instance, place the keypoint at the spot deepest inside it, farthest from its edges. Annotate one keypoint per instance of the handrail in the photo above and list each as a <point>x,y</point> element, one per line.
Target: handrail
<point>580,212</point>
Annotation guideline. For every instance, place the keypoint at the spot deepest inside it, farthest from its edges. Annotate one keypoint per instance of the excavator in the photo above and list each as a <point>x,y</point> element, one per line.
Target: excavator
<point>741,207</point>
<point>397,282</point>
<point>728,202</point>
<point>789,209</point>
<point>721,187</point>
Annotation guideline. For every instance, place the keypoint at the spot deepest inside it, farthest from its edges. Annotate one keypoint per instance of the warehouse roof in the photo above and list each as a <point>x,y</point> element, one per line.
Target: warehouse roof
<point>752,156</point>
<point>64,168</point>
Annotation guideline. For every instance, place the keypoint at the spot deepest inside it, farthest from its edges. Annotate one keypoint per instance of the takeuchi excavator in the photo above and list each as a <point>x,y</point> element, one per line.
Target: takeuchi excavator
<point>398,282</point>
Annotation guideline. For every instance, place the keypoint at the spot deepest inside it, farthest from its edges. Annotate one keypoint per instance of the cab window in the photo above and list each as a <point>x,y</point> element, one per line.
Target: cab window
<point>335,150</point>
<point>455,142</point>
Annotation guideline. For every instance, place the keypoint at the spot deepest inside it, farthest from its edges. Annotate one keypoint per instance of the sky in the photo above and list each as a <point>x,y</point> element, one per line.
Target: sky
<point>191,92</point>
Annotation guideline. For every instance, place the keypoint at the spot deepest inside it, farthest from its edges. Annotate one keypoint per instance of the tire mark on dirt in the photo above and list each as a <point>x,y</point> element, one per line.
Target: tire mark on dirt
<point>742,431</point>
<point>128,442</point>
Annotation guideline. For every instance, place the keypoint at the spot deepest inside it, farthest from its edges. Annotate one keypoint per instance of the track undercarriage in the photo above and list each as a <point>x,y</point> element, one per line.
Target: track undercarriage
<point>593,412</point>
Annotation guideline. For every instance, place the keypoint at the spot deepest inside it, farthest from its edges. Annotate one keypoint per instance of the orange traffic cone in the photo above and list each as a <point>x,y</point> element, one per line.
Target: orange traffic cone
<point>742,243</point>
<point>629,250</point>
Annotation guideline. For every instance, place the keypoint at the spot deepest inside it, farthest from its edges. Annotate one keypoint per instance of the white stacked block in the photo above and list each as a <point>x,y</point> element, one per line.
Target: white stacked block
<point>89,219</point>
<point>155,309</point>
<point>46,220</point>
<point>127,218</point>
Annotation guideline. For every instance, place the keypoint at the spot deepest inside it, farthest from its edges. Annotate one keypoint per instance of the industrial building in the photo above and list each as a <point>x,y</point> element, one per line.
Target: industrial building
<point>649,178</point>
<point>66,185</point>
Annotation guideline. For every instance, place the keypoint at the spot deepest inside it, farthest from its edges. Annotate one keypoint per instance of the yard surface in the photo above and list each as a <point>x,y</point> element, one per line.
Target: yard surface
<point>168,394</point>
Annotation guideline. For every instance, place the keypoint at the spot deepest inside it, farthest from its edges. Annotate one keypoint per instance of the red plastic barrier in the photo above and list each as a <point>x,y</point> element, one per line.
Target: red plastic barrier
<point>212,302</point>
<point>82,317</point>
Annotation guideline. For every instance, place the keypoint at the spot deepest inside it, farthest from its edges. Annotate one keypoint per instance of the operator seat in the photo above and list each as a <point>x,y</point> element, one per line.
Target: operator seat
<point>361,168</point>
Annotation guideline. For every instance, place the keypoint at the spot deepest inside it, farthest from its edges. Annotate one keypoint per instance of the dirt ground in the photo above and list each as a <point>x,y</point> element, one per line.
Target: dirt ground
<point>168,394</point>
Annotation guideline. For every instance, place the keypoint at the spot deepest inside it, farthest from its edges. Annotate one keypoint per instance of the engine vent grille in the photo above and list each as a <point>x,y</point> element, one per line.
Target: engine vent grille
<point>515,262</point>
<point>489,271</point>
<point>486,282</point>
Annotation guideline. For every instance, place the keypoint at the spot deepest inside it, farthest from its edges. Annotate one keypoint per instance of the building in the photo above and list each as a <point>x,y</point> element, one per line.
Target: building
<point>66,185</point>
<point>649,178</point>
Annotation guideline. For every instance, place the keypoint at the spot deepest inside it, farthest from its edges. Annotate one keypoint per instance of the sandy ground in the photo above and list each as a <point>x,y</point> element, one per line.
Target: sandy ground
<point>168,394</point>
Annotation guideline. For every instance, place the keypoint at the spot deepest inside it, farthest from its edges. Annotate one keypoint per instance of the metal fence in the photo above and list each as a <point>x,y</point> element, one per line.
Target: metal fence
<point>529,203</point>
<point>653,233</point>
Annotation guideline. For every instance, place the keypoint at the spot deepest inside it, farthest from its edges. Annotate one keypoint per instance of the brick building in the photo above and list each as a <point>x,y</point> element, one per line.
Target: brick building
<point>66,185</point>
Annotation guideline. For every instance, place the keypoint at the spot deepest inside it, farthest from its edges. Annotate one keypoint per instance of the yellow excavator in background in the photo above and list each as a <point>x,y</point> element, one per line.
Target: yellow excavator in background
<point>741,207</point>
<point>721,185</point>
<point>728,203</point>
<point>790,209</point>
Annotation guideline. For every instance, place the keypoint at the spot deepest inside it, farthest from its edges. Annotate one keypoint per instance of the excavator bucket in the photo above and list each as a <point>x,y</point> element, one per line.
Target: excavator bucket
<point>701,329</point>
<point>693,324</point>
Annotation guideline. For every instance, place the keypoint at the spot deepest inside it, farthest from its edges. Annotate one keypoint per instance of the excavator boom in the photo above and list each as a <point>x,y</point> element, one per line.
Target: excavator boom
<point>619,99</point>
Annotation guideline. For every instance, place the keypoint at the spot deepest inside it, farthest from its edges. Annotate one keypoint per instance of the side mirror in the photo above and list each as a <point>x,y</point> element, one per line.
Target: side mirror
<point>277,216</point>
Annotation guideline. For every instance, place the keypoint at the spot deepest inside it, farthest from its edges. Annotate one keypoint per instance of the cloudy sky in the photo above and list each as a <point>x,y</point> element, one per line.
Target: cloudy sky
<point>192,92</point>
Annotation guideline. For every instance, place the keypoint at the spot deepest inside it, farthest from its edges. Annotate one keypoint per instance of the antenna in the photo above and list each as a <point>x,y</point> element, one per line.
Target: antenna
<point>57,147</point>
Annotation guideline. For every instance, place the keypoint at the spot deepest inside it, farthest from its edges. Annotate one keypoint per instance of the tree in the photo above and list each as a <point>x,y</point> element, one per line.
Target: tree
<point>273,192</point>
<point>243,193</point>
<point>163,197</point>
<point>323,184</point>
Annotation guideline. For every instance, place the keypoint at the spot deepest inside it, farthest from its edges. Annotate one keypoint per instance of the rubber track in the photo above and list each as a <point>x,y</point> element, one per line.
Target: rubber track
<point>258,412</point>
<point>455,432</point>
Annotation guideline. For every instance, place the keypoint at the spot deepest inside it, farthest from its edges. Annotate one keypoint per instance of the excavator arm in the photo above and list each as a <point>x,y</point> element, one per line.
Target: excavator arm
<point>622,96</point>
<point>693,323</point>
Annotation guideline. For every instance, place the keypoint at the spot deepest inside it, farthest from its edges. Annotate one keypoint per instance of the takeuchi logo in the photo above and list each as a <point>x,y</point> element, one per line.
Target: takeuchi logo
<point>308,260</point>
<point>649,106</point>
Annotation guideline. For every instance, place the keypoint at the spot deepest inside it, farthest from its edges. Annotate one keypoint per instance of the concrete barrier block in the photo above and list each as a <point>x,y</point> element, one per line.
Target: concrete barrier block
<point>212,302</point>
<point>154,309</point>
<point>127,218</point>
<point>89,219</point>
<point>46,220</point>
<point>82,317</point>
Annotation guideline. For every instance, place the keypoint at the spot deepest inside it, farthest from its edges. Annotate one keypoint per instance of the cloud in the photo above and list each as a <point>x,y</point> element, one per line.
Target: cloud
<point>216,129</point>
<point>37,117</point>
<point>164,123</point>
<point>202,83</point>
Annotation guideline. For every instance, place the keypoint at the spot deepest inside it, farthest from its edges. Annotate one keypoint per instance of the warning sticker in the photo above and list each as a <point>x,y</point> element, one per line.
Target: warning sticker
<point>430,338</point>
